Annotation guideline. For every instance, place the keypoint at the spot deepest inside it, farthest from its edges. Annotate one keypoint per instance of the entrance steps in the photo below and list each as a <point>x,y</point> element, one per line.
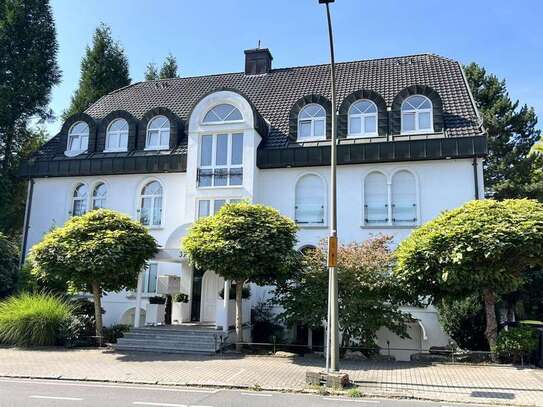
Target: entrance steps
<point>197,339</point>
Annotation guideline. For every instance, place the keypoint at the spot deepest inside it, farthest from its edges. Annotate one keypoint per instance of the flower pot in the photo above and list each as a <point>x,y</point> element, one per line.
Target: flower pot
<point>154,314</point>
<point>180,312</point>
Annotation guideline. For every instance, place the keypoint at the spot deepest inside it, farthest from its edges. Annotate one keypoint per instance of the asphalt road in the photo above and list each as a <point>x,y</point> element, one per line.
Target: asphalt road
<point>48,393</point>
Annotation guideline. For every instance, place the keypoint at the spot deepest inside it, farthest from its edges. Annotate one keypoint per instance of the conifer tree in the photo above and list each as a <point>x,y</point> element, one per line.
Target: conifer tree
<point>169,68</point>
<point>151,72</point>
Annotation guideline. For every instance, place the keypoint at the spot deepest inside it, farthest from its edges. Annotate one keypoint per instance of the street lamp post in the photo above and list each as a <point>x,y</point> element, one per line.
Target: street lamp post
<point>332,345</point>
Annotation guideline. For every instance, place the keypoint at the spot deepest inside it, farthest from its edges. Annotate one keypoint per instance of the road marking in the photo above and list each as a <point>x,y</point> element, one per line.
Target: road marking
<point>236,374</point>
<point>148,403</point>
<point>56,398</point>
<point>257,394</point>
<point>352,400</point>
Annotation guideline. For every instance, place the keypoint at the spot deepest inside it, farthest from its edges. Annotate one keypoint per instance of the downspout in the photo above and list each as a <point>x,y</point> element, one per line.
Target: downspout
<point>26,225</point>
<point>475,177</point>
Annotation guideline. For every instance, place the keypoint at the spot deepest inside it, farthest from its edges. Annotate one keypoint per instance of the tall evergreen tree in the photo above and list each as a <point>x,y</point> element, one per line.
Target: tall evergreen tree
<point>509,167</point>
<point>169,68</point>
<point>151,72</point>
<point>104,68</point>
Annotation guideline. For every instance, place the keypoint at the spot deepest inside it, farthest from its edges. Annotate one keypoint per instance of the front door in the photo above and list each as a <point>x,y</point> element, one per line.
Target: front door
<point>211,285</point>
<point>197,275</point>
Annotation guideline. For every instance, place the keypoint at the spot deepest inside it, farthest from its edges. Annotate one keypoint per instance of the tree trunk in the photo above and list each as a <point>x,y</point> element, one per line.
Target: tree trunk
<point>97,293</point>
<point>239,325</point>
<point>491,330</point>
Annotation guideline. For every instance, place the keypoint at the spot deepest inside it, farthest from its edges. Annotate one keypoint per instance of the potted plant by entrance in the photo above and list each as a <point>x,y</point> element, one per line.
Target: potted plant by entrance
<point>154,314</point>
<point>179,301</point>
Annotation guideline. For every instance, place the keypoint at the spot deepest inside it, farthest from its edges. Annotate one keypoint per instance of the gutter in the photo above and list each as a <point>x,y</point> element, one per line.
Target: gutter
<point>26,225</point>
<point>475,177</point>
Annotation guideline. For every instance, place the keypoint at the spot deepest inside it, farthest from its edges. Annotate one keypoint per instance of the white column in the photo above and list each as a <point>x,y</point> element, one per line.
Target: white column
<point>139,288</point>
<point>226,303</point>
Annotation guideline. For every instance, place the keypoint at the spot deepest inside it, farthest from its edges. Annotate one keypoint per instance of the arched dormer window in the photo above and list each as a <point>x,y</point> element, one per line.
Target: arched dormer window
<point>158,134</point>
<point>222,113</point>
<point>150,204</point>
<point>310,200</point>
<point>363,119</point>
<point>78,138</point>
<point>79,200</point>
<point>99,195</point>
<point>312,123</point>
<point>117,135</point>
<point>404,198</point>
<point>417,115</point>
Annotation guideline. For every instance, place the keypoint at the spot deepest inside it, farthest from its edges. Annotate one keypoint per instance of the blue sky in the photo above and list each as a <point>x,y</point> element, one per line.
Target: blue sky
<point>209,36</point>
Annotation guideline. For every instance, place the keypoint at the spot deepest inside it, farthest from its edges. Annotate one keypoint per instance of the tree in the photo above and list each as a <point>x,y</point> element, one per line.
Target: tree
<point>99,251</point>
<point>368,294</point>
<point>509,167</point>
<point>169,68</point>
<point>104,68</point>
<point>483,248</point>
<point>243,243</point>
<point>151,72</point>
<point>9,266</point>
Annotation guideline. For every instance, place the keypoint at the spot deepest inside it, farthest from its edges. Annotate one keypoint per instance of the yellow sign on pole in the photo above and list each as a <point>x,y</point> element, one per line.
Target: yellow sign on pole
<point>332,251</point>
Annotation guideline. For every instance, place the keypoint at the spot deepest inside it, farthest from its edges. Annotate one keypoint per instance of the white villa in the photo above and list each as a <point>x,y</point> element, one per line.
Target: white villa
<point>167,152</point>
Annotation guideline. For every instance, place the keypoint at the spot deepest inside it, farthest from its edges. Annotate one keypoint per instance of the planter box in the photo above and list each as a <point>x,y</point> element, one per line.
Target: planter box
<point>154,314</point>
<point>180,312</point>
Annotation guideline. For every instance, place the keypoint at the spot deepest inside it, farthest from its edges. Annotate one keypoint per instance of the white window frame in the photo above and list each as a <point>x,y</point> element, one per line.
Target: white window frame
<point>141,196</point>
<point>228,166</point>
<point>312,121</point>
<point>363,117</point>
<point>93,198</point>
<point>71,135</point>
<point>324,203</point>
<point>222,121</point>
<point>417,112</point>
<point>73,199</point>
<point>212,204</point>
<point>160,131</point>
<point>119,133</point>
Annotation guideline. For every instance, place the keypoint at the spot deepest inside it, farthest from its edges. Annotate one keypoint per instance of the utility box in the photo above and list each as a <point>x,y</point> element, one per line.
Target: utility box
<point>168,284</point>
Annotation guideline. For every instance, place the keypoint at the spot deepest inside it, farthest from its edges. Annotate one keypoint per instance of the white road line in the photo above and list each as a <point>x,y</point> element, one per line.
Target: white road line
<point>236,374</point>
<point>352,400</point>
<point>257,394</point>
<point>56,382</point>
<point>148,403</point>
<point>56,398</point>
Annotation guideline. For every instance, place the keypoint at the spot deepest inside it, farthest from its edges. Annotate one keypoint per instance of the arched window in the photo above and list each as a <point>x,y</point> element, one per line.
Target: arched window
<point>375,199</point>
<point>151,204</point>
<point>99,195</point>
<point>363,118</point>
<point>404,198</point>
<point>417,115</point>
<point>310,200</point>
<point>158,134</point>
<point>79,200</point>
<point>78,138</point>
<point>117,135</point>
<point>312,123</point>
<point>223,113</point>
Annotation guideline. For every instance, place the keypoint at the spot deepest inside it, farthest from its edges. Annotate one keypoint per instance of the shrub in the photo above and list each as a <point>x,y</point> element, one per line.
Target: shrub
<point>9,266</point>
<point>157,299</point>
<point>264,325</point>
<point>181,297</point>
<point>516,343</point>
<point>245,292</point>
<point>114,332</point>
<point>35,320</point>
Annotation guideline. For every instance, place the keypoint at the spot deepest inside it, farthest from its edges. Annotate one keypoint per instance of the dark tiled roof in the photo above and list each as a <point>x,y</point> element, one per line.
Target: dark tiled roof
<point>275,93</point>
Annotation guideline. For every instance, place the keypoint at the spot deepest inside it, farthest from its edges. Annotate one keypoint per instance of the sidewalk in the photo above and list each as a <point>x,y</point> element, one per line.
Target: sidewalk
<point>503,385</point>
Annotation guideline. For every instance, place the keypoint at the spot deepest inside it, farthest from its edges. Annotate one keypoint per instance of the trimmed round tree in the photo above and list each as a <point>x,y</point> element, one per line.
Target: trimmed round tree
<point>482,248</point>
<point>243,243</point>
<point>102,250</point>
<point>9,266</point>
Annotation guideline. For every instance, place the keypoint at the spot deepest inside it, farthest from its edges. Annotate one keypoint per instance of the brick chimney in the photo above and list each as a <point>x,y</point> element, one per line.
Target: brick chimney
<point>258,61</point>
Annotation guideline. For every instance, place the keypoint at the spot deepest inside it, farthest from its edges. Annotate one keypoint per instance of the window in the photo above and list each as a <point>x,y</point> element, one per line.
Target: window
<point>78,138</point>
<point>223,113</point>
<point>150,278</point>
<point>79,202</point>
<point>99,196</point>
<point>158,134</point>
<point>208,207</point>
<point>376,199</point>
<point>404,196</point>
<point>310,200</point>
<point>312,123</point>
<point>221,160</point>
<point>417,115</point>
<point>117,135</point>
<point>151,204</point>
<point>363,118</point>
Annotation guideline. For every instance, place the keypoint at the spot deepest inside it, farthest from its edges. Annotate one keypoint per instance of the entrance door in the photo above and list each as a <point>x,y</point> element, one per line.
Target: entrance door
<point>197,275</point>
<point>211,285</point>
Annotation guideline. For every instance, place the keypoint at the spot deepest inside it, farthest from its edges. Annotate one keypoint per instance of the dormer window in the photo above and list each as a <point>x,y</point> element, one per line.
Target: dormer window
<point>222,113</point>
<point>158,134</point>
<point>78,139</point>
<point>417,115</point>
<point>117,135</point>
<point>363,119</point>
<point>312,123</point>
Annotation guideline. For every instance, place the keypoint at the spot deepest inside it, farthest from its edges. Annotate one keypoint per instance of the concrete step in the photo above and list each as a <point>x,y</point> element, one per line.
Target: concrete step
<point>207,342</point>
<point>192,338</point>
<point>211,347</point>
<point>140,348</point>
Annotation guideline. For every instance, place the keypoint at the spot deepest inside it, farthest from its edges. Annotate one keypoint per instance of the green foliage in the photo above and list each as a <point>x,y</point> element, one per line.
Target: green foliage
<point>516,343</point>
<point>355,392</point>
<point>464,320</point>
<point>243,243</point>
<point>34,320</point>
<point>181,297</point>
<point>264,326</point>
<point>104,68</point>
<point>245,292</point>
<point>169,68</point>
<point>151,72</point>
<point>510,171</point>
<point>157,299</point>
<point>369,296</point>
<point>114,332</point>
<point>9,266</point>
